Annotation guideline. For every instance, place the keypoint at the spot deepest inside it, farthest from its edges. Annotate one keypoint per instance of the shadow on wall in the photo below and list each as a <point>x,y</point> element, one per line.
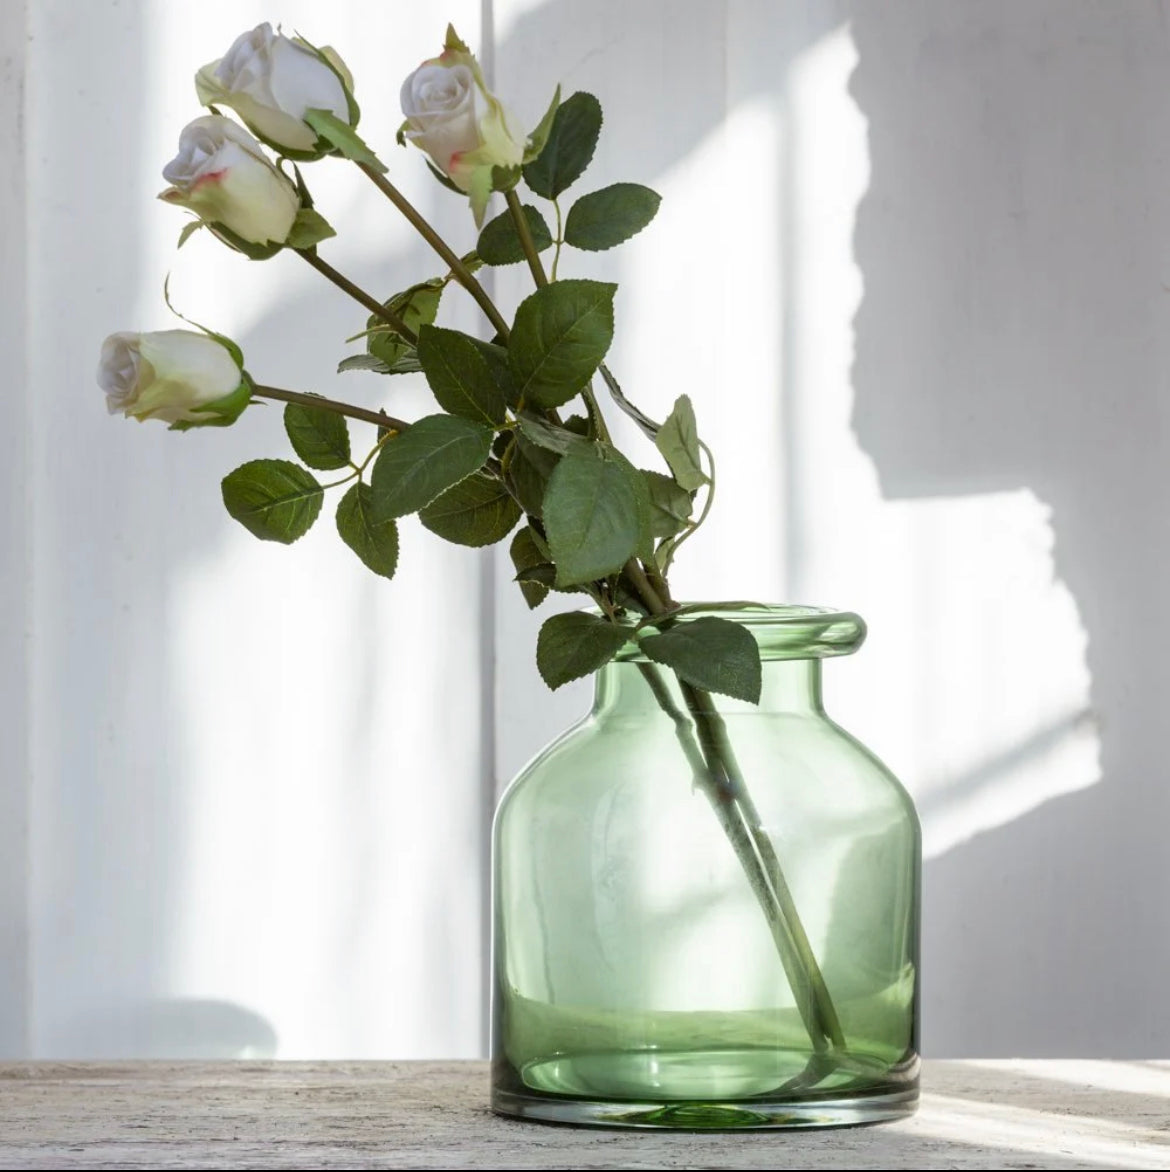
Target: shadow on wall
<point>172,1028</point>
<point>1014,333</point>
<point>1009,347</point>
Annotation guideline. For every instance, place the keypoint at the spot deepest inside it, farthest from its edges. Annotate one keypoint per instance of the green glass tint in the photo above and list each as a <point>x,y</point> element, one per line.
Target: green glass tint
<point>706,912</point>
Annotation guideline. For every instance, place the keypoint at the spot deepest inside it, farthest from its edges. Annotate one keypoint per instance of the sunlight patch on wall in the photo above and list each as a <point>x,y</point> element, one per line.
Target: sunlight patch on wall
<point>721,343</point>
<point>973,686</point>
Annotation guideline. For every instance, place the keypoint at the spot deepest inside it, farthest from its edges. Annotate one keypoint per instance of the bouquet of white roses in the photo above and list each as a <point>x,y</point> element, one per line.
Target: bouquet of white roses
<point>518,445</point>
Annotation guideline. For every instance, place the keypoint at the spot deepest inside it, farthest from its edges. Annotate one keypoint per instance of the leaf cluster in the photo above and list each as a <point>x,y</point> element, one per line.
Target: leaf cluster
<point>496,460</point>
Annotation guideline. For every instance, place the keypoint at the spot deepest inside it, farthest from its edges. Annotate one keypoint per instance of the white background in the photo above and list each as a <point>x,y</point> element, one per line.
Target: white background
<point>911,265</point>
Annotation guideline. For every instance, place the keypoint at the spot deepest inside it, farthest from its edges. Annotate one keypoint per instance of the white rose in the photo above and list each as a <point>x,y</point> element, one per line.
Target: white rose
<point>223,176</point>
<point>270,80</point>
<point>179,376</point>
<point>453,116</point>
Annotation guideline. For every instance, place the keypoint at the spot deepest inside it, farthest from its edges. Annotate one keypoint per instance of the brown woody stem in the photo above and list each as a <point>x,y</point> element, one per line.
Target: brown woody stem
<point>462,273</point>
<point>359,294</point>
<point>531,252</point>
<point>378,418</point>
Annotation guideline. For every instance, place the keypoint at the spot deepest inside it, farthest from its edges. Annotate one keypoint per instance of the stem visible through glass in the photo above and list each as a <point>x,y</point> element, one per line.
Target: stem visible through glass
<point>716,773</point>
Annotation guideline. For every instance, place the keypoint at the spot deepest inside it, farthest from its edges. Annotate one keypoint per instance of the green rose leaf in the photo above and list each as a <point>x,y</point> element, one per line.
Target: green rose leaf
<point>550,437</point>
<point>375,542</point>
<point>477,511</point>
<point>309,229</point>
<point>670,504</point>
<point>570,146</point>
<point>416,466</point>
<point>499,242</point>
<point>527,556</point>
<point>712,654</point>
<point>528,474</point>
<point>408,363</point>
<point>560,335</point>
<point>274,500</point>
<point>541,543</point>
<point>678,441</point>
<point>362,362</point>
<point>318,436</point>
<point>573,645</point>
<point>646,425</point>
<point>545,574</point>
<point>581,425</point>
<point>596,513</point>
<point>496,357</point>
<point>343,138</point>
<point>417,307</point>
<point>460,376</point>
<point>607,217</point>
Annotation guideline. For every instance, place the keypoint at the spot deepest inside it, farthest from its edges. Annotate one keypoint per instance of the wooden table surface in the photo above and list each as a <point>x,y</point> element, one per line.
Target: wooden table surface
<point>987,1114</point>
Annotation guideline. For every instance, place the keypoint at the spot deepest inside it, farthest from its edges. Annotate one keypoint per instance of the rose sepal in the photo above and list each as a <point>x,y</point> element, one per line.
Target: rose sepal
<point>308,230</point>
<point>224,412</point>
<point>250,250</point>
<point>227,343</point>
<point>343,139</point>
<point>539,137</point>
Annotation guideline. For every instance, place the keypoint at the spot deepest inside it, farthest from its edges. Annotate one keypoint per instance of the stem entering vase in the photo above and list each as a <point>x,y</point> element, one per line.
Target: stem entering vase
<point>718,774</point>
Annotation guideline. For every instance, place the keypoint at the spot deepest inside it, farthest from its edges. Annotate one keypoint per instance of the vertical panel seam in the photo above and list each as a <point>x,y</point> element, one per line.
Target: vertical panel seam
<point>489,708</point>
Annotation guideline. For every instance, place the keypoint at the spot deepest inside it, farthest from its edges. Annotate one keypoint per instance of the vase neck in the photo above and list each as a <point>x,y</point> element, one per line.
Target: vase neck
<point>791,685</point>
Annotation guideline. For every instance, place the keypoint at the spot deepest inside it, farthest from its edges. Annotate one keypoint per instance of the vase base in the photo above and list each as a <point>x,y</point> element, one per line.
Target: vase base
<point>753,1115</point>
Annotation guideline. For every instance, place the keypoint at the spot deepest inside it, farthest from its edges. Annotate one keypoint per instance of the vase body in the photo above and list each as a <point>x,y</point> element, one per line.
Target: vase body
<point>645,974</point>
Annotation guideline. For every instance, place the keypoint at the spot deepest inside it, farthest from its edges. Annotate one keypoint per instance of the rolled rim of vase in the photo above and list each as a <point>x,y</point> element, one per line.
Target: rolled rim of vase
<point>782,630</point>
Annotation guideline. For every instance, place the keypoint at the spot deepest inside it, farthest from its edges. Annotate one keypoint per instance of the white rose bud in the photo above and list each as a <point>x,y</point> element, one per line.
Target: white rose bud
<point>184,378</point>
<point>270,80</point>
<point>223,176</point>
<point>451,114</point>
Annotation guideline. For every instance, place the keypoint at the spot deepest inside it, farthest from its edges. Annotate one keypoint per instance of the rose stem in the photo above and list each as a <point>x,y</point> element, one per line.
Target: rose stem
<point>710,724</point>
<point>531,252</point>
<point>462,273</point>
<point>380,418</point>
<point>725,789</point>
<point>359,294</point>
<point>721,791</point>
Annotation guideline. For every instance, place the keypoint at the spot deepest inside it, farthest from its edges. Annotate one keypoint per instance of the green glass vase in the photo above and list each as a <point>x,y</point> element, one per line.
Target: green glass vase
<point>706,911</point>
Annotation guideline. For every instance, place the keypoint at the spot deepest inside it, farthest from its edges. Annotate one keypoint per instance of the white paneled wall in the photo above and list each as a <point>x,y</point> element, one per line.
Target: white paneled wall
<point>257,774</point>
<point>15,534</point>
<point>910,265</point>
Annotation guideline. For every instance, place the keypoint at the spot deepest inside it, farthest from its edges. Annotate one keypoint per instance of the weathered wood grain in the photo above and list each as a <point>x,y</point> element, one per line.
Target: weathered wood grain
<point>434,1115</point>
